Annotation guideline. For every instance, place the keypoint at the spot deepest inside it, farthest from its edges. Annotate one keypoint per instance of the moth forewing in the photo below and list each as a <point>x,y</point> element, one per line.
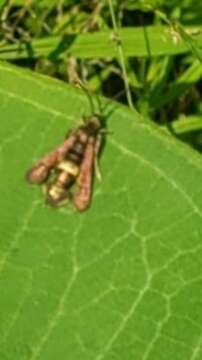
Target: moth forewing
<point>41,170</point>
<point>84,182</point>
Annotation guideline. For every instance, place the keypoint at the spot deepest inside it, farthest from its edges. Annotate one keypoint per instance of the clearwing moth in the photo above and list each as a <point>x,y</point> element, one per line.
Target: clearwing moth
<point>68,171</point>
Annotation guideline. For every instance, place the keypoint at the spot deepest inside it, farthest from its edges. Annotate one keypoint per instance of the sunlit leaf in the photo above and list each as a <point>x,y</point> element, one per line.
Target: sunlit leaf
<point>121,281</point>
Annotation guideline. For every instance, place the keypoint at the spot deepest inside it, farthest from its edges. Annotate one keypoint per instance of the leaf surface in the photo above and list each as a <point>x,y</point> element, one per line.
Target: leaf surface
<point>121,281</point>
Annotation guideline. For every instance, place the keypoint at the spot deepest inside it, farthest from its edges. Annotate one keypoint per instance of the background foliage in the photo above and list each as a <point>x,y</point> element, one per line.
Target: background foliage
<point>123,280</point>
<point>60,39</point>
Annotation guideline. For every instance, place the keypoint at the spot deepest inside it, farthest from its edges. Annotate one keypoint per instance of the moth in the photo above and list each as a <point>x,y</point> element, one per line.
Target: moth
<point>68,171</point>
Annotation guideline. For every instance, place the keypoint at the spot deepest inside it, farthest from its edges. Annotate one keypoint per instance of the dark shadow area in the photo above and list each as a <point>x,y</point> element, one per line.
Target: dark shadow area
<point>64,44</point>
<point>27,49</point>
<point>136,17</point>
<point>146,37</point>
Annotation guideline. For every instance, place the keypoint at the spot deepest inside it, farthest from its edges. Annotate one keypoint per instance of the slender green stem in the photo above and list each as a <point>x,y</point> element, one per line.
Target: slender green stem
<point>121,55</point>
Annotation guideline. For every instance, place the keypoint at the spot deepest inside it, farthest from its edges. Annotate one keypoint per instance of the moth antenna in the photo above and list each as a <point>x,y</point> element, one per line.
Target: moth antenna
<point>86,90</point>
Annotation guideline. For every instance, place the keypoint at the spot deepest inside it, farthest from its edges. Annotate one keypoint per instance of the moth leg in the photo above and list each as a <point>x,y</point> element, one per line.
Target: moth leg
<point>97,170</point>
<point>96,161</point>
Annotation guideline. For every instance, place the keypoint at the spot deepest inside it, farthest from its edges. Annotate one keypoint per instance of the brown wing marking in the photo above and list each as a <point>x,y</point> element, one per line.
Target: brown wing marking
<point>82,196</point>
<point>41,170</point>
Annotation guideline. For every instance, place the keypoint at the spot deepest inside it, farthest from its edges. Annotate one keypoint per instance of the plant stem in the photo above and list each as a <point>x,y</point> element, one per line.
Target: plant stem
<point>121,56</point>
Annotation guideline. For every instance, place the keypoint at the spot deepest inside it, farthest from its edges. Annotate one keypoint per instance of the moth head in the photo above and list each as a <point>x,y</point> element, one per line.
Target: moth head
<point>93,124</point>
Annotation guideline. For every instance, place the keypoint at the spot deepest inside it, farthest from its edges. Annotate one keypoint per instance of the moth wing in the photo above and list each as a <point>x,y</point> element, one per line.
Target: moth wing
<point>41,170</point>
<point>82,196</point>
<point>64,148</point>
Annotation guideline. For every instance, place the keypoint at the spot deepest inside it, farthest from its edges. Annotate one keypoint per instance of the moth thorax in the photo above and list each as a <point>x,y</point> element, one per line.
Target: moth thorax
<point>82,136</point>
<point>94,126</point>
<point>69,167</point>
<point>79,148</point>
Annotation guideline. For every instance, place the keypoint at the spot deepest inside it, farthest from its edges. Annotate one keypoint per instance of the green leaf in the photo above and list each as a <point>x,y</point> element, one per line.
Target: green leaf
<point>141,41</point>
<point>186,124</point>
<point>120,281</point>
<point>177,88</point>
